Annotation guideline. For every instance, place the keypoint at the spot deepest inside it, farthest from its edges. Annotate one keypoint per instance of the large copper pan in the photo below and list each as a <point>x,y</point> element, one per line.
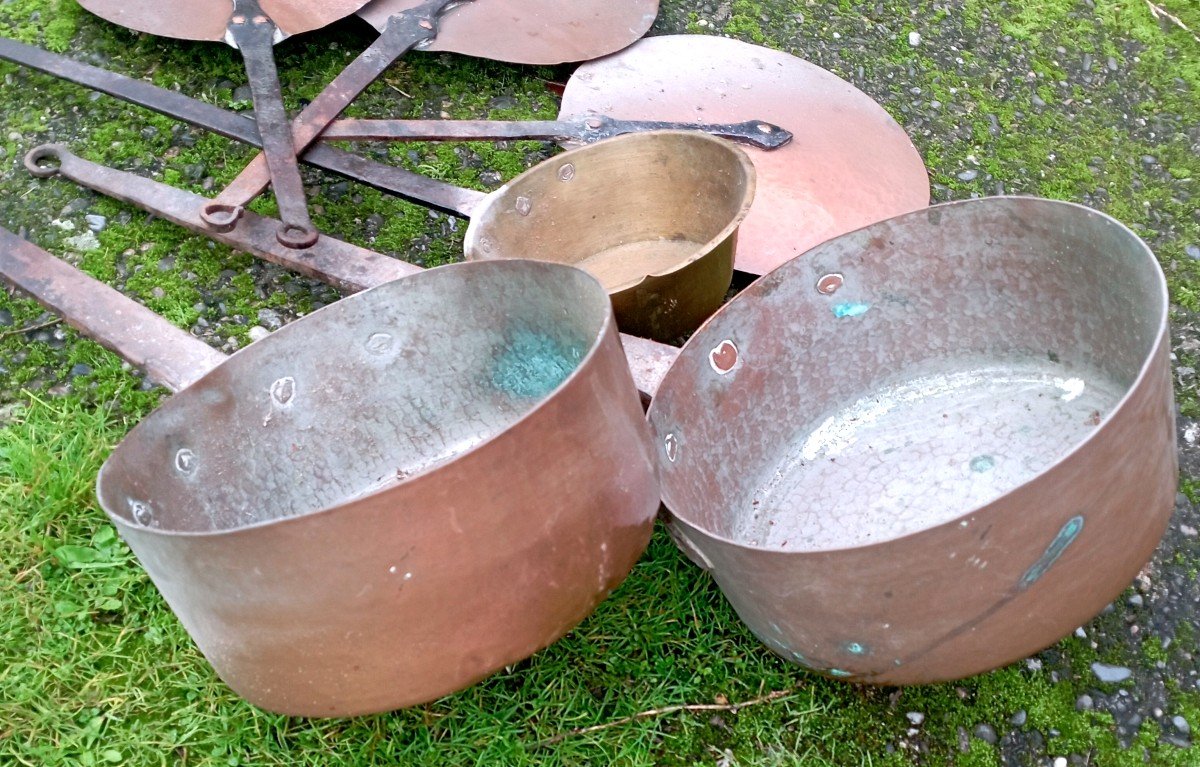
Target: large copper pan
<point>385,501</point>
<point>932,446</point>
<point>849,165</point>
<point>532,31</point>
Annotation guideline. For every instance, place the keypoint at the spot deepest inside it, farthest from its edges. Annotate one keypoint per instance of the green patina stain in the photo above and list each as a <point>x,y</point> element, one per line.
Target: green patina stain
<point>533,364</point>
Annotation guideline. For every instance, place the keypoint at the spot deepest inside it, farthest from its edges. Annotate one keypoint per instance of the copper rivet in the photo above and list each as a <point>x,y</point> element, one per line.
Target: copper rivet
<point>724,358</point>
<point>671,444</point>
<point>829,284</point>
<point>185,461</point>
<point>566,172</point>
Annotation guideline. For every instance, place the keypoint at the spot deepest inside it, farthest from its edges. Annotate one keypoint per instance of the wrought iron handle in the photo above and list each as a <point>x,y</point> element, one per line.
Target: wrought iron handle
<point>253,33</point>
<point>404,31</point>
<point>348,267</point>
<point>386,178</point>
<point>590,129</point>
<point>169,355</point>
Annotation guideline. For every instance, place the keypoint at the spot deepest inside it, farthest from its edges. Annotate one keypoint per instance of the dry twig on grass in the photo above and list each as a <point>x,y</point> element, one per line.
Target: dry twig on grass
<point>31,328</point>
<point>1158,12</point>
<point>734,707</point>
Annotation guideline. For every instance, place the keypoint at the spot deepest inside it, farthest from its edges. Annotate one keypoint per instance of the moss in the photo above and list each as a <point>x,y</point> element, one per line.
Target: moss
<point>745,21</point>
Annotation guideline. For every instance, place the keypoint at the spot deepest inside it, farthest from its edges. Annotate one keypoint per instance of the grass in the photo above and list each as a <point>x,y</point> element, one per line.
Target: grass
<point>94,669</point>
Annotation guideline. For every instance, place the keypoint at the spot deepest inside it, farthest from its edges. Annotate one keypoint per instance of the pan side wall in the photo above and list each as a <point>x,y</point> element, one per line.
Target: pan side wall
<point>424,589</point>
<point>975,594</point>
<point>635,188</point>
<point>366,392</point>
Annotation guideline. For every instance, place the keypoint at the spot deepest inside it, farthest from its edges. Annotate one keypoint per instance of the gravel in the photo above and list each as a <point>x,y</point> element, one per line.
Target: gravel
<point>1111,674</point>
<point>986,733</point>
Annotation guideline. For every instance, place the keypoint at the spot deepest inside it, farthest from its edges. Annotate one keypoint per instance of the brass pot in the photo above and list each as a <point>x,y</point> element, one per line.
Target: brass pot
<point>653,216</point>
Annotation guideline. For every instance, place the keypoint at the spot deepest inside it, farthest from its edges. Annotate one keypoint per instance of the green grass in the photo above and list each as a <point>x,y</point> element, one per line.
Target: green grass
<point>94,669</point>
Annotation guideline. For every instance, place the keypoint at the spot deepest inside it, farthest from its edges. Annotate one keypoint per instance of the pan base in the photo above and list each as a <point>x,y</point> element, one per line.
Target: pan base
<point>626,264</point>
<point>923,452</point>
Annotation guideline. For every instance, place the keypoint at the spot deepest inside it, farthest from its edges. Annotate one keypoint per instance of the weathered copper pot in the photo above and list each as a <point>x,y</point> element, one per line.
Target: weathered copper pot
<point>653,216</point>
<point>932,446</point>
<point>389,499</point>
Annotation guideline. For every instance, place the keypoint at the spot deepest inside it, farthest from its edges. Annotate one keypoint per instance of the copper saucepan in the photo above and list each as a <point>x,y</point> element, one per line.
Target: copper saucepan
<point>653,216</point>
<point>388,500</point>
<point>932,446</point>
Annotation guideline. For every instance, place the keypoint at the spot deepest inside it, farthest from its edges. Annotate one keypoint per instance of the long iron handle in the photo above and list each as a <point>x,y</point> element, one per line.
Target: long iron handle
<point>345,266</point>
<point>253,33</point>
<point>386,178</point>
<point>403,32</point>
<point>348,267</point>
<point>169,355</point>
<point>590,129</point>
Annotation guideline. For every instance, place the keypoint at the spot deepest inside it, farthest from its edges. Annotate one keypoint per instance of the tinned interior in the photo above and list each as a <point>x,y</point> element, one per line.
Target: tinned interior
<point>359,396</point>
<point>995,297</point>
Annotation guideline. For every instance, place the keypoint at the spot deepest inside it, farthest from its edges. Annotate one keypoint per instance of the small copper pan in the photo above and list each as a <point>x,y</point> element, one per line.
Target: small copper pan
<point>932,446</point>
<point>389,499</point>
<point>653,216</point>
<point>849,165</point>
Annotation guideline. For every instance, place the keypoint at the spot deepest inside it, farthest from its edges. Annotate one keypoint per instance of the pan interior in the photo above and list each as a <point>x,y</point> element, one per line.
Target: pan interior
<point>966,350</point>
<point>622,209</point>
<point>922,449</point>
<point>357,397</point>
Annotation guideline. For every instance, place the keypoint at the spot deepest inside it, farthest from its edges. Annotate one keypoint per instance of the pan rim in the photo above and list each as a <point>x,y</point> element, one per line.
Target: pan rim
<point>1140,381</point>
<point>606,327</point>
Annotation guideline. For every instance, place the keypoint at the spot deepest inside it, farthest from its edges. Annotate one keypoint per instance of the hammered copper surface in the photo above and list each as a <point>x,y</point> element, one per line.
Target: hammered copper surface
<point>653,216</point>
<point>849,164</point>
<point>532,31</point>
<point>392,497</point>
<point>208,19</point>
<point>937,588</point>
